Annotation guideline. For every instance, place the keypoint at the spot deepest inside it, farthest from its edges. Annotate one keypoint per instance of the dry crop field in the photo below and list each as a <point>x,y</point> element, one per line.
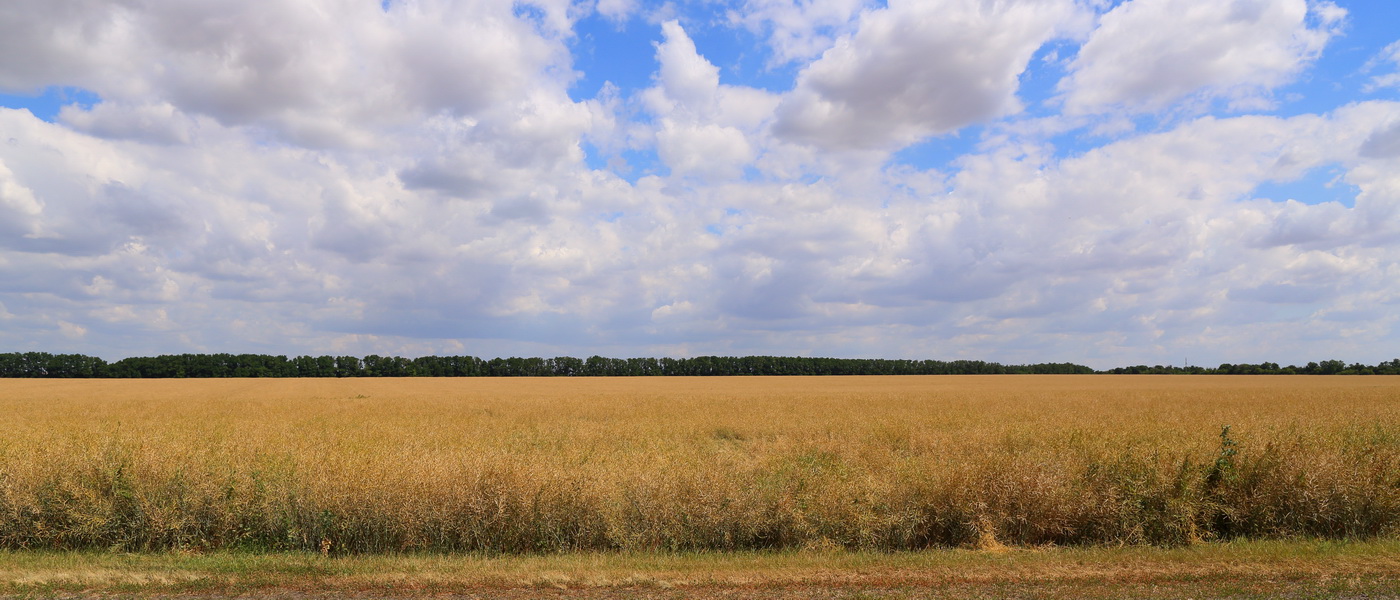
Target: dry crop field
<point>521,466</point>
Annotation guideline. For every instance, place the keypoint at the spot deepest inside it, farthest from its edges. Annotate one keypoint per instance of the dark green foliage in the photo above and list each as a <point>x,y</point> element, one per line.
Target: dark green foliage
<point>1326,367</point>
<point>43,364</point>
<point>36,364</point>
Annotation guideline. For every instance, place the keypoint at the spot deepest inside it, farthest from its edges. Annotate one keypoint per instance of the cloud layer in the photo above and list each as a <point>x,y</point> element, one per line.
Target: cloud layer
<point>422,177</point>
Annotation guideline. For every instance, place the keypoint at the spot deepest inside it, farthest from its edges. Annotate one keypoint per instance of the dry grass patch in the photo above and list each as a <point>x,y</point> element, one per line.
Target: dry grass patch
<point>694,464</point>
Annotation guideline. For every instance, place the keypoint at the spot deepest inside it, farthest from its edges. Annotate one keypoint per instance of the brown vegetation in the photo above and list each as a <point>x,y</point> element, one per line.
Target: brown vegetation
<point>546,465</point>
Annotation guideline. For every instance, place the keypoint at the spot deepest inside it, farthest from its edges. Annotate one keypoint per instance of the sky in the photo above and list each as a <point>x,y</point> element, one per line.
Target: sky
<point>1103,182</point>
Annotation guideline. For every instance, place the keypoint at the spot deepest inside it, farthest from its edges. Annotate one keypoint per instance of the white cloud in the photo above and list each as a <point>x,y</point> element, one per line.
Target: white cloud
<point>707,150</point>
<point>617,10</point>
<point>1150,242</point>
<point>1147,54</point>
<point>1153,241</point>
<point>156,123</point>
<point>686,80</point>
<point>72,330</point>
<point>19,208</point>
<point>703,128</point>
<point>917,69</point>
<point>1390,57</point>
<point>799,30</point>
<point>318,73</point>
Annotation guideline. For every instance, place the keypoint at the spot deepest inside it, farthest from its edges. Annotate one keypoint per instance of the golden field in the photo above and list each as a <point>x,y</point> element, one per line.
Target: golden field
<point>683,464</point>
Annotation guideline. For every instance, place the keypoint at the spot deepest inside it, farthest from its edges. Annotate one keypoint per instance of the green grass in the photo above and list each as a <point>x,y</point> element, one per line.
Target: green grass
<point>1255,569</point>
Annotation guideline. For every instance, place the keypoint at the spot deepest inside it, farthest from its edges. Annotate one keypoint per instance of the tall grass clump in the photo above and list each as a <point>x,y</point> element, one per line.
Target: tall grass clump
<point>535,466</point>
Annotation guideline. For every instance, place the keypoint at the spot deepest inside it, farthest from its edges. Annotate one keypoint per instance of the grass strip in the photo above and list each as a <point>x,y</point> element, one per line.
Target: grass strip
<point>1244,569</point>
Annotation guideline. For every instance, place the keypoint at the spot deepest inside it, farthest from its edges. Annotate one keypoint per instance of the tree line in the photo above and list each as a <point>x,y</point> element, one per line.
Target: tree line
<point>1326,367</point>
<point>43,364</point>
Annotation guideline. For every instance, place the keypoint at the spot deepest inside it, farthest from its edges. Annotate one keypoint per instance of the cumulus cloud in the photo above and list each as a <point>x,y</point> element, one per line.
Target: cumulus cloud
<point>65,40</point>
<point>18,206</point>
<point>686,80</point>
<point>799,29</point>
<point>1154,241</point>
<point>1146,54</point>
<point>617,10</point>
<point>159,123</point>
<point>1383,144</point>
<point>317,73</point>
<point>917,69</point>
<point>709,150</point>
<point>1151,241</point>
<point>703,128</point>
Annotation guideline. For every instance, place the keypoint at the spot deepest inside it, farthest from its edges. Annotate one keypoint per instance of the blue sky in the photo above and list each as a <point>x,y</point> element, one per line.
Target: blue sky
<point>1102,182</point>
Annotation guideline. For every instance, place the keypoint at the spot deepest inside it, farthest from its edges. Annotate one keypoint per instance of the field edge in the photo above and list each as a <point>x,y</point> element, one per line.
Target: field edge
<point>1231,569</point>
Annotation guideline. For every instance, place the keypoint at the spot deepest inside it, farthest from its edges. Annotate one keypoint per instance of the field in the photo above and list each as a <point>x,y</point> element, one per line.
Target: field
<point>512,466</point>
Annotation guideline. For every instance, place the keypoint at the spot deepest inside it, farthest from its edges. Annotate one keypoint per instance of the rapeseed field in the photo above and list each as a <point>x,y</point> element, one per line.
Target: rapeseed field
<point>526,466</point>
